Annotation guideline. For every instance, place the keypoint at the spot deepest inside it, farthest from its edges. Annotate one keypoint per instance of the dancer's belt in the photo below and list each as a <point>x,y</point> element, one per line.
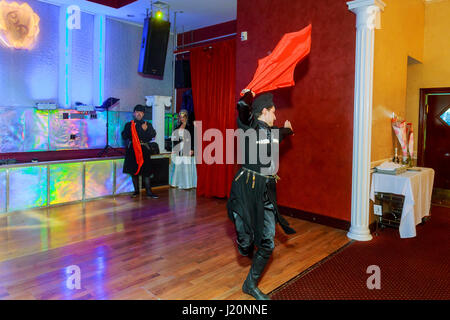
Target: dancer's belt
<point>255,173</point>
<point>146,145</point>
<point>142,144</point>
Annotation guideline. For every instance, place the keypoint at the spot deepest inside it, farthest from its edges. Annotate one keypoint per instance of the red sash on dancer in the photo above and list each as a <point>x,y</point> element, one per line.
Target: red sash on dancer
<point>137,147</point>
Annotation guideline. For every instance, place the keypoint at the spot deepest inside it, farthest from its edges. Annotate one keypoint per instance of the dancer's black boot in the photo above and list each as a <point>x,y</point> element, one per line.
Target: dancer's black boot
<point>250,284</point>
<point>243,241</point>
<point>136,185</point>
<point>148,188</point>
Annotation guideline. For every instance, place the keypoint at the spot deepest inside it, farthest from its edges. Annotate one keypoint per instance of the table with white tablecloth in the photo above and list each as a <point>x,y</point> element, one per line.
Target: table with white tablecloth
<point>416,186</point>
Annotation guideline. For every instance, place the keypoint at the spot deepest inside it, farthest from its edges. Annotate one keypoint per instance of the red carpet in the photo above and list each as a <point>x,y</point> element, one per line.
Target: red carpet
<point>411,269</point>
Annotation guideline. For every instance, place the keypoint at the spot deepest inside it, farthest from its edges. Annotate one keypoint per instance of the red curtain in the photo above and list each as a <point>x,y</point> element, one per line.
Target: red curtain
<point>213,75</point>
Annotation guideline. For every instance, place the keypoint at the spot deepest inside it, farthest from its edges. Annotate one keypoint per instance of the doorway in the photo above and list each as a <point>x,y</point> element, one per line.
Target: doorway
<point>433,150</point>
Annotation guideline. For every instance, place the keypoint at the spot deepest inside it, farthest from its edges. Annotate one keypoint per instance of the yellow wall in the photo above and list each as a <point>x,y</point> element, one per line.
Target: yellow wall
<point>401,35</point>
<point>434,72</point>
<point>415,28</point>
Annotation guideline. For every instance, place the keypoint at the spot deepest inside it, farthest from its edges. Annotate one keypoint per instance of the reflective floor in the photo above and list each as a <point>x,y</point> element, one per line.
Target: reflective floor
<point>175,247</point>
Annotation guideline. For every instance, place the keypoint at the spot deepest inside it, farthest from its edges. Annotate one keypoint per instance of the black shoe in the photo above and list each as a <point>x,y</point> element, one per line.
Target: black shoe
<point>135,194</point>
<point>148,188</point>
<point>254,292</point>
<point>152,195</point>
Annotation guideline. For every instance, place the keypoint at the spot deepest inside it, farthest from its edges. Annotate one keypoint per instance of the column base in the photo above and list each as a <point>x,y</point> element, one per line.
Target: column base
<point>359,233</point>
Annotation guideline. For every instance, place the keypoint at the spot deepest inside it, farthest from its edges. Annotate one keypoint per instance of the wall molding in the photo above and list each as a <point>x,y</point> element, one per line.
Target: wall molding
<point>316,218</point>
<point>320,219</point>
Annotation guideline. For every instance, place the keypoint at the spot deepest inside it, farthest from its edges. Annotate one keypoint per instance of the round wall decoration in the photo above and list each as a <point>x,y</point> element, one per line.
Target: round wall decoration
<point>19,25</point>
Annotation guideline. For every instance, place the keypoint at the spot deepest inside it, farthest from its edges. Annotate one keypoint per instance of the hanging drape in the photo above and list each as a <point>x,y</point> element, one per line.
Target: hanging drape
<point>213,69</point>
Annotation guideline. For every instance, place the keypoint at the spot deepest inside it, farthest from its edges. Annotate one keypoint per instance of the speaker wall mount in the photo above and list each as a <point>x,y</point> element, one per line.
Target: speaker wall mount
<point>161,7</point>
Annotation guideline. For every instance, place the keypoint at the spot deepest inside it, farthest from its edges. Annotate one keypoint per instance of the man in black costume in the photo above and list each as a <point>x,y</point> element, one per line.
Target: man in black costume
<point>145,133</point>
<point>252,205</point>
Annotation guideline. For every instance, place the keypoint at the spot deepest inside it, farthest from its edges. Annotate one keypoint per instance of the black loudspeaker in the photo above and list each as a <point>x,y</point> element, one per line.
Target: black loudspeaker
<point>182,74</point>
<point>155,38</point>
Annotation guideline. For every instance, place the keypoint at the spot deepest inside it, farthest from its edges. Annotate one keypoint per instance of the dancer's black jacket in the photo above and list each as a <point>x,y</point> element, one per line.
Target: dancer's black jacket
<point>247,197</point>
<point>145,136</point>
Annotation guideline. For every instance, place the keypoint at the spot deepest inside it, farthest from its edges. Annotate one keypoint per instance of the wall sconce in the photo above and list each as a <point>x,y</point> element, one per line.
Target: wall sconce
<point>19,25</point>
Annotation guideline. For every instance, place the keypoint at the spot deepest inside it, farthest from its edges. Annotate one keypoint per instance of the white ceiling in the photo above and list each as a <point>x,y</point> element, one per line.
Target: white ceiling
<point>196,13</point>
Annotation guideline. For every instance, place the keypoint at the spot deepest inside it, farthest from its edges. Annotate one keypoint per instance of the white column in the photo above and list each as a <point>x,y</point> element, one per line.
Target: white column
<point>367,19</point>
<point>158,104</point>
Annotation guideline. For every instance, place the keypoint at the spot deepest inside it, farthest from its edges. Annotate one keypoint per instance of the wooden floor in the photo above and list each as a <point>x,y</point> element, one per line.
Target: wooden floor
<point>175,247</point>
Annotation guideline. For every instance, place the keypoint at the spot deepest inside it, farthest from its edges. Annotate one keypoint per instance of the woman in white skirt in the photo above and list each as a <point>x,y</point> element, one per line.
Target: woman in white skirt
<point>183,172</point>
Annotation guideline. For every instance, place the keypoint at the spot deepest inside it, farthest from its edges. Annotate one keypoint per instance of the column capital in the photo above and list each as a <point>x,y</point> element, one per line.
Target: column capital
<point>158,101</point>
<point>367,13</point>
<point>352,5</point>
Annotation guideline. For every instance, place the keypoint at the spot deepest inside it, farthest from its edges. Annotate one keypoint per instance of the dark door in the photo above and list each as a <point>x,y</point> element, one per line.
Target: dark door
<point>437,139</point>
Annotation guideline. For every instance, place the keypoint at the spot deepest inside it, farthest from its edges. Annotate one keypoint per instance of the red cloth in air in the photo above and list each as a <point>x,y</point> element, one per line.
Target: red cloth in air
<point>136,147</point>
<point>277,69</point>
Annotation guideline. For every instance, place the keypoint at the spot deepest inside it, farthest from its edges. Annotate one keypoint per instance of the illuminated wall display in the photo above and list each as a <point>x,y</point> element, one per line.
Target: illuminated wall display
<point>99,176</point>
<point>19,25</point>
<point>28,129</point>
<point>37,185</point>
<point>123,181</point>
<point>27,187</point>
<point>66,182</point>
<point>2,190</point>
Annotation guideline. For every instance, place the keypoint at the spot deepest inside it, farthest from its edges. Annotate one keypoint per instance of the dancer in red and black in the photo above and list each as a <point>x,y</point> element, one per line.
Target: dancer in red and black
<point>252,204</point>
<point>137,134</point>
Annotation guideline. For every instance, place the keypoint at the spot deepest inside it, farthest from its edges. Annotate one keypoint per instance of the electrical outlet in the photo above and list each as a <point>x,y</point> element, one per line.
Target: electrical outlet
<point>244,36</point>
<point>377,209</point>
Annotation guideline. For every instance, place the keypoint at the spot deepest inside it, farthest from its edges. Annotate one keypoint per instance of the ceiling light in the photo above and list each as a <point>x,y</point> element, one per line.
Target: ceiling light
<point>159,14</point>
